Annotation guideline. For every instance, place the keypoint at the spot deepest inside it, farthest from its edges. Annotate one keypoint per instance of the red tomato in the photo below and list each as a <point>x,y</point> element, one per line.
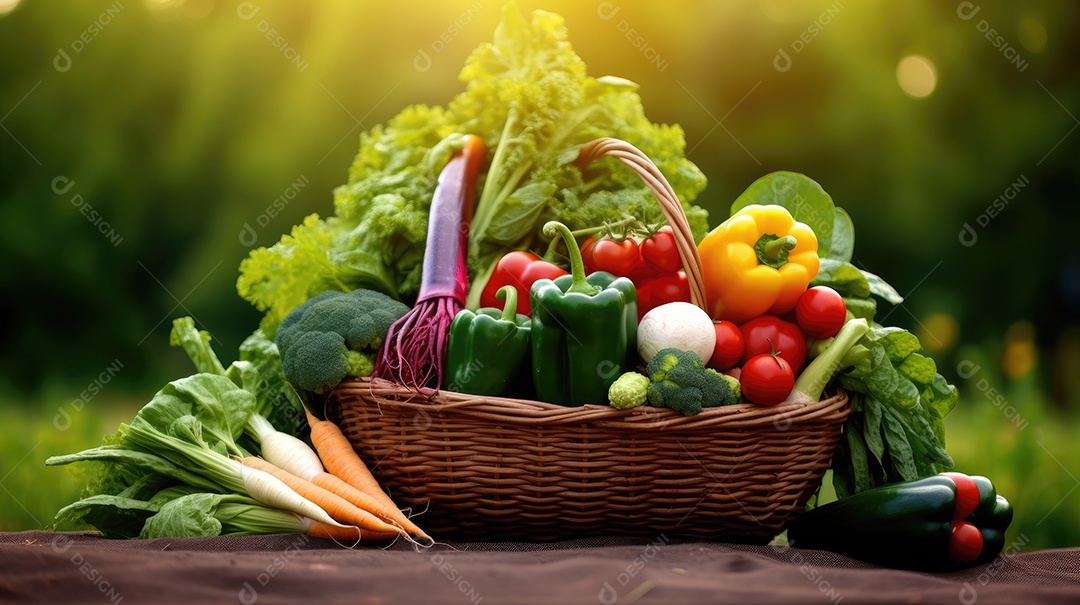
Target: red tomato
<point>735,373</point>
<point>617,258</point>
<point>767,379</point>
<point>729,346</point>
<point>820,312</point>
<point>660,252</point>
<point>586,254</point>
<point>662,290</point>
<point>966,543</point>
<point>767,334</point>
<point>967,495</point>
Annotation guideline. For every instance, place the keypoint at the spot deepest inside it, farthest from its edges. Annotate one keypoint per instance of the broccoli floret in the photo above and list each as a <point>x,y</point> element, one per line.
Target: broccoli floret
<point>335,335</point>
<point>733,384</point>
<point>679,380</point>
<point>628,391</point>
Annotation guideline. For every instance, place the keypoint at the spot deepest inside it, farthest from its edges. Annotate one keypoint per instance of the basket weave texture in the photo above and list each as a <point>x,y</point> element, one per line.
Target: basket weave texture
<point>491,468</point>
<point>502,469</point>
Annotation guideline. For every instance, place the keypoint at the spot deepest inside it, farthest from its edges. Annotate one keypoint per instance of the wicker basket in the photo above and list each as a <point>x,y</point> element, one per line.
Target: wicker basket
<point>504,469</point>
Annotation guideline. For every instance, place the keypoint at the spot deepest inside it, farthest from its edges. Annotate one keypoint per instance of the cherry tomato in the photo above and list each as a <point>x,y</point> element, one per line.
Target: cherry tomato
<point>617,258</point>
<point>729,346</point>
<point>767,379</point>
<point>660,252</point>
<point>820,312</point>
<point>662,290</point>
<point>967,495</point>
<point>966,542</point>
<point>767,334</point>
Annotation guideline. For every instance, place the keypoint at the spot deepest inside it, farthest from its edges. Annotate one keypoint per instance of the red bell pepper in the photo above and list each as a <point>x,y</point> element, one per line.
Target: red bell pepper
<point>520,270</point>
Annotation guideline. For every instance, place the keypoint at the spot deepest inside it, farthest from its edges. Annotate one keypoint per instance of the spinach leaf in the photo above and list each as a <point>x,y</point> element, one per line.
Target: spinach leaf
<point>843,237</point>
<point>881,289</point>
<point>865,308</point>
<point>860,463</point>
<point>918,368</point>
<point>899,402</point>
<point>190,516</point>
<point>872,430</point>
<point>901,455</point>
<point>113,516</point>
<point>897,343</point>
<point>843,277</point>
<point>219,405</point>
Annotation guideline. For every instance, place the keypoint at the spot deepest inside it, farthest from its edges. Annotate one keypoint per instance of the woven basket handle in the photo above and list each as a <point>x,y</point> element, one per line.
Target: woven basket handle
<point>665,195</point>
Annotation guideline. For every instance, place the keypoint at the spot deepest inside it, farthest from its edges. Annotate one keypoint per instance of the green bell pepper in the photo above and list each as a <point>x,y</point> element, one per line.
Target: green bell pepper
<point>584,330</point>
<point>488,352</point>
<point>945,522</point>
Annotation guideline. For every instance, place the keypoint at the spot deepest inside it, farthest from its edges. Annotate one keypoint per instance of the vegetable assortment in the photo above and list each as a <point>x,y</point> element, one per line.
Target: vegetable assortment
<point>412,282</point>
<point>201,459</point>
<point>528,97</point>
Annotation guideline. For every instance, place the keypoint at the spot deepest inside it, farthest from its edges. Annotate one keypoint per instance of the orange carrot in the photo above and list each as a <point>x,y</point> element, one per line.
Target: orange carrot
<point>337,507</point>
<point>341,461</point>
<point>344,534</point>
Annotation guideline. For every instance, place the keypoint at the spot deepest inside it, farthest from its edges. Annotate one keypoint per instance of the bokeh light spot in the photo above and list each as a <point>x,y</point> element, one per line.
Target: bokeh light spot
<point>917,76</point>
<point>1020,355</point>
<point>1032,34</point>
<point>6,6</point>
<point>939,332</point>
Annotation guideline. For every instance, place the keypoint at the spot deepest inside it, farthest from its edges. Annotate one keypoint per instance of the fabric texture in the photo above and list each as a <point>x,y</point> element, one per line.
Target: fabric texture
<point>79,568</point>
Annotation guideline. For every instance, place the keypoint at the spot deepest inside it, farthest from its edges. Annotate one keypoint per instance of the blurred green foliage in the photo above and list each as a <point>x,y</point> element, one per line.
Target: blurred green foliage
<point>148,145</point>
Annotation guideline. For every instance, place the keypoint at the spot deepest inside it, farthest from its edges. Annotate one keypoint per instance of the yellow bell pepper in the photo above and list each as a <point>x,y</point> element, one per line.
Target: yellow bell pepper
<point>758,261</point>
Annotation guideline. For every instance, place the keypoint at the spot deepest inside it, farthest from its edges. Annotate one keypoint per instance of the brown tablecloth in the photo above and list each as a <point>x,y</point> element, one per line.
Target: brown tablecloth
<point>75,568</point>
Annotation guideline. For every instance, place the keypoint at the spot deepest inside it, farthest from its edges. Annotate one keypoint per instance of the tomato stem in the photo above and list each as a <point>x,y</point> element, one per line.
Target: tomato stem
<point>608,227</point>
